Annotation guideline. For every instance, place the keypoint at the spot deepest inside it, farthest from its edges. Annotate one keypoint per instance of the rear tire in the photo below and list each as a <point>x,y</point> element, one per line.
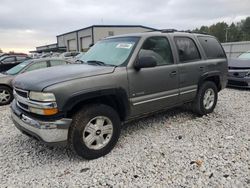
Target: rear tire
<point>206,98</point>
<point>94,131</point>
<point>6,95</point>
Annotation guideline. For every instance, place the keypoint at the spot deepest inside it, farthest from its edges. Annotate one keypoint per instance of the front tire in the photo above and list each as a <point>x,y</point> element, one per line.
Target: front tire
<point>94,131</point>
<point>206,98</point>
<point>6,95</point>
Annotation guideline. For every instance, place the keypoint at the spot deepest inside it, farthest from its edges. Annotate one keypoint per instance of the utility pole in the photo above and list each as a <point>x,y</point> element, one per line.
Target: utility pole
<point>227,33</point>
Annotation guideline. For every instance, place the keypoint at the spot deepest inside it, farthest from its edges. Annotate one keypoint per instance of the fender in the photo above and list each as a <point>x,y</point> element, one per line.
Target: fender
<point>210,74</point>
<point>120,94</point>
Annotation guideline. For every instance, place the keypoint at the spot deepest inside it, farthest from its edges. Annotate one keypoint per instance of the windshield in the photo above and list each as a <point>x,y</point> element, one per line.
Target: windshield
<point>113,51</point>
<point>245,55</point>
<point>79,56</point>
<point>18,68</point>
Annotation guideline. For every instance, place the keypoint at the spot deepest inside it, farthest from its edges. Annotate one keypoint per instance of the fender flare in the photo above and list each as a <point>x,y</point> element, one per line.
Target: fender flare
<point>120,95</point>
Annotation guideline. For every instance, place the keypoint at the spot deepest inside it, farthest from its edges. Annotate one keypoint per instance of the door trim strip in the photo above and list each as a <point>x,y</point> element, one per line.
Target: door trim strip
<point>155,99</point>
<point>190,91</point>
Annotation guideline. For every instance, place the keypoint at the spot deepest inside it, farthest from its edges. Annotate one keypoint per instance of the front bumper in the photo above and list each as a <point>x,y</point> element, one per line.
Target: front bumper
<point>238,78</point>
<point>47,131</point>
<point>239,82</point>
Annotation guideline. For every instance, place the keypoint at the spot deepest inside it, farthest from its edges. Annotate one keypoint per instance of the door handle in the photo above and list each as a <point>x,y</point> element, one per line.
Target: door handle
<point>173,73</point>
<point>201,68</point>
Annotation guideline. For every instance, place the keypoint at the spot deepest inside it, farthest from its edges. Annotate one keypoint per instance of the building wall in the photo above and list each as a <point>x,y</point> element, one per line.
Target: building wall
<point>81,40</point>
<point>63,40</point>
<point>234,49</point>
<point>84,38</point>
<point>102,32</point>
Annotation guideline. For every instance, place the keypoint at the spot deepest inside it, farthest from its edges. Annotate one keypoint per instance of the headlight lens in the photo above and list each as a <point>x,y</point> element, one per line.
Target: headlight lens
<point>43,97</point>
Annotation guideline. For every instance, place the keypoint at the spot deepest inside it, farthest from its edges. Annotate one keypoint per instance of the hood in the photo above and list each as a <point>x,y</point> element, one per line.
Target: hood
<point>37,80</point>
<point>239,63</point>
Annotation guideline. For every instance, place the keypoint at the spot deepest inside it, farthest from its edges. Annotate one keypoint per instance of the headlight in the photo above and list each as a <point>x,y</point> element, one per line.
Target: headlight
<point>43,97</point>
<point>248,74</point>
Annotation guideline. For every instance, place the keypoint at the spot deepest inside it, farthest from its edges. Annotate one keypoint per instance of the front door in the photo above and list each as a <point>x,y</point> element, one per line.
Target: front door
<point>155,88</point>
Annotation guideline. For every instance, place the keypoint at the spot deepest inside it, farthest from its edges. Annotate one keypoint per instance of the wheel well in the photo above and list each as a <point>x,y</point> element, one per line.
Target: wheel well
<point>215,79</point>
<point>110,100</point>
<point>6,86</point>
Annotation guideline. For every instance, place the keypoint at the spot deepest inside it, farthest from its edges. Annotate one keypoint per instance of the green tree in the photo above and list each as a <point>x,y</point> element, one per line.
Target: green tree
<point>246,28</point>
<point>1,51</point>
<point>219,30</point>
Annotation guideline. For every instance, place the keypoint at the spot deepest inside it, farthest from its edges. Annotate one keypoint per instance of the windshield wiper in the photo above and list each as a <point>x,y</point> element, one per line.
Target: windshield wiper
<point>81,61</point>
<point>97,62</point>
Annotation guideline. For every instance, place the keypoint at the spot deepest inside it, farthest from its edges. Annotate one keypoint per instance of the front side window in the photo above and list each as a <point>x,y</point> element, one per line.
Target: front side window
<point>187,49</point>
<point>18,68</point>
<point>36,66</point>
<point>158,48</point>
<point>113,52</point>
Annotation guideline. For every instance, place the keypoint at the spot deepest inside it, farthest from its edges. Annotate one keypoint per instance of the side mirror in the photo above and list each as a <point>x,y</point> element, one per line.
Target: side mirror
<point>145,62</point>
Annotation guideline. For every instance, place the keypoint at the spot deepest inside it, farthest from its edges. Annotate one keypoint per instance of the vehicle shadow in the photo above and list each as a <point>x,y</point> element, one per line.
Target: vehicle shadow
<point>37,150</point>
<point>238,88</point>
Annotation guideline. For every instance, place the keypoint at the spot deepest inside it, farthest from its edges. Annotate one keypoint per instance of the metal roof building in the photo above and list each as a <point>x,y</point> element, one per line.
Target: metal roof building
<point>81,39</point>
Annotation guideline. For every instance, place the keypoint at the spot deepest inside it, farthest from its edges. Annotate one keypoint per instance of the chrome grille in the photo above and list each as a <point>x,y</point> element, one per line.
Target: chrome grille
<point>21,94</point>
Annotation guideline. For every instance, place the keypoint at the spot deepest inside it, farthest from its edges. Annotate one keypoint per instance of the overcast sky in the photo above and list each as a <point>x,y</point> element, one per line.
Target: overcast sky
<point>25,24</point>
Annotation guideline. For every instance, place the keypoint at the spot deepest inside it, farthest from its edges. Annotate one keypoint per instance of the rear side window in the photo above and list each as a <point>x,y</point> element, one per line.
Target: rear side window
<point>212,47</point>
<point>187,49</point>
<point>21,58</point>
<point>57,62</point>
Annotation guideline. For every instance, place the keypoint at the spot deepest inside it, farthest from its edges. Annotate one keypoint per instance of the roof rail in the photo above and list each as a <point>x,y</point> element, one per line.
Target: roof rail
<point>168,30</point>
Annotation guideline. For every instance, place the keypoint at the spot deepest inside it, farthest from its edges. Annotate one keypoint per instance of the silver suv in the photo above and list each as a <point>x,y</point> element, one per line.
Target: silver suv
<point>120,78</point>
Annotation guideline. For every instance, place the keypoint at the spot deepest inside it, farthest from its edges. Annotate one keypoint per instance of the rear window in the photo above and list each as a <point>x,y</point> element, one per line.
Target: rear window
<point>211,47</point>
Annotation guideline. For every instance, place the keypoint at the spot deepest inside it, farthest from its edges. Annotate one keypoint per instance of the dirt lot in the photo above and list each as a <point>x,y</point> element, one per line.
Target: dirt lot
<point>171,149</point>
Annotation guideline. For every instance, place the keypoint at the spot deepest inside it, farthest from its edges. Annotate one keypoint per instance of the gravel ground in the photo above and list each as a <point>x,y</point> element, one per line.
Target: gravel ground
<point>171,149</point>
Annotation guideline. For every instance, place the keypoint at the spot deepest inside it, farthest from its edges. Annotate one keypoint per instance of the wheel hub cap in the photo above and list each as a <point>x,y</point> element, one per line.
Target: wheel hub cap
<point>4,96</point>
<point>98,132</point>
<point>208,99</point>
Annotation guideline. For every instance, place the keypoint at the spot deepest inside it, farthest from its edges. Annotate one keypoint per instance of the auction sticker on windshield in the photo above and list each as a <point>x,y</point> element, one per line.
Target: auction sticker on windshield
<point>124,45</point>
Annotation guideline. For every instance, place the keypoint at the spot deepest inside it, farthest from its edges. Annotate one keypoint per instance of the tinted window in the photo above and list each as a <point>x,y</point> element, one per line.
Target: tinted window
<point>38,65</point>
<point>57,62</point>
<point>159,48</point>
<point>20,58</point>
<point>9,60</point>
<point>211,47</point>
<point>187,49</point>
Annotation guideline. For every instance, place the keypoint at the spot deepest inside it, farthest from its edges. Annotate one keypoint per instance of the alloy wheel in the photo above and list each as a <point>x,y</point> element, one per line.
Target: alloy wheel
<point>98,132</point>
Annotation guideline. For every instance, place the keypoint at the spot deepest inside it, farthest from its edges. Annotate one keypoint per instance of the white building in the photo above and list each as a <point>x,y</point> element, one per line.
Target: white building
<point>80,40</point>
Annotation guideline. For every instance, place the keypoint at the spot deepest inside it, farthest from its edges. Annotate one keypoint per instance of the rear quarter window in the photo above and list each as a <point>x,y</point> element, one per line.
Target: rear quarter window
<point>212,47</point>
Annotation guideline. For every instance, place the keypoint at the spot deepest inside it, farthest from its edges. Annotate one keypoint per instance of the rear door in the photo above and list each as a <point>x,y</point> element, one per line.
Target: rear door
<point>154,88</point>
<point>190,66</point>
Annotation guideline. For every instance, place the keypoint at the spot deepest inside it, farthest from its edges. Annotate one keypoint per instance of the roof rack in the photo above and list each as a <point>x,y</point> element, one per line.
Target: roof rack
<point>168,30</point>
<point>175,30</point>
